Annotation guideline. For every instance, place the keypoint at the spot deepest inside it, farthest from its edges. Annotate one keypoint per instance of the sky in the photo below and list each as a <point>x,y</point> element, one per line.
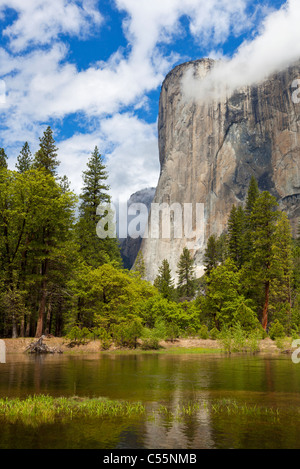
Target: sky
<point>93,70</point>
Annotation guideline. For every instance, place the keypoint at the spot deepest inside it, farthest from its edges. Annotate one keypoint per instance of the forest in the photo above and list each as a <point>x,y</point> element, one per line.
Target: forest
<point>58,277</point>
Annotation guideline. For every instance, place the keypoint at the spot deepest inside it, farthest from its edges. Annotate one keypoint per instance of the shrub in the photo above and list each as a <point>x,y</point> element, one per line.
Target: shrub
<point>214,333</point>
<point>127,334</point>
<point>203,332</point>
<point>253,340</point>
<point>276,330</point>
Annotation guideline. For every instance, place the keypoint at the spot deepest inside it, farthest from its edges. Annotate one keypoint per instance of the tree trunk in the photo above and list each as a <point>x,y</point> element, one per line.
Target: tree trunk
<point>14,327</point>
<point>49,317</point>
<point>266,306</point>
<point>40,322</point>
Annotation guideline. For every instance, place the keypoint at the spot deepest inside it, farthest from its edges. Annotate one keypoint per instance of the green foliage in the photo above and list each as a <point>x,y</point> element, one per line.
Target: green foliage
<point>152,336</point>
<point>46,156</point>
<point>233,339</point>
<point>203,332</point>
<point>237,236</point>
<point>186,275</point>
<point>164,282</point>
<point>24,159</point>
<point>139,265</point>
<point>214,333</point>
<point>211,255</point>
<point>3,158</point>
<point>94,201</point>
<point>127,334</point>
<point>276,330</point>
<point>79,335</point>
<point>181,315</point>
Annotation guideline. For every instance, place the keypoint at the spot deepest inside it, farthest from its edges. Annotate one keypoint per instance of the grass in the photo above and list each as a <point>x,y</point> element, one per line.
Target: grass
<point>43,409</point>
<point>36,410</point>
<point>222,407</point>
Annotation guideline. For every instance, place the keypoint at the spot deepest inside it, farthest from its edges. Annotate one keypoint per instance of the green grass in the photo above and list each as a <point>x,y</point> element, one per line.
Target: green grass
<point>42,409</point>
<point>222,407</point>
<point>36,410</point>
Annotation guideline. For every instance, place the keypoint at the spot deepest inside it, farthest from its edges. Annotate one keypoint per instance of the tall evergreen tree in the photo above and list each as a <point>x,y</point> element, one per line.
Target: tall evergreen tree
<point>3,158</point>
<point>236,235</point>
<point>186,275</point>
<point>282,270</point>
<point>252,196</point>
<point>95,251</point>
<point>164,281</point>
<point>139,265</point>
<point>211,254</point>
<point>46,156</point>
<point>24,159</point>
<point>263,220</point>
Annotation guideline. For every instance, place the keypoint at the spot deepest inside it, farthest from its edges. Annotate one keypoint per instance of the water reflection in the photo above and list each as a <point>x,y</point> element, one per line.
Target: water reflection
<point>159,380</point>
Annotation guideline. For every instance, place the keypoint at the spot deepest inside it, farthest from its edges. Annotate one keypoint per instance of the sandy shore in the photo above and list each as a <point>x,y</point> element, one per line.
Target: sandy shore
<point>19,345</point>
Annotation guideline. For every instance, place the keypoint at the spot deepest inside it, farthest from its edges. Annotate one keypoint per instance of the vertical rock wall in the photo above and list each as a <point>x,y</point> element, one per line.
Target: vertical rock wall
<point>209,151</point>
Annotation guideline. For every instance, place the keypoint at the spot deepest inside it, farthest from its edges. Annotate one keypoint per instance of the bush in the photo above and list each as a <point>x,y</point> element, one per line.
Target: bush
<point>79,335</point>
<point>276,330</point>
<point>239,338</point>
<point>253,340</point>
<point>152,336</point>
<point>127,334</point>
<point>203,332</point>
<point>172,332</point>
<point>214,333</point>
<point>233,339</point>
<point>150,343</point>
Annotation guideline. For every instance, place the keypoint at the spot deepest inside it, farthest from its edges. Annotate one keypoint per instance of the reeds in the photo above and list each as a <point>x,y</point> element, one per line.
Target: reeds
<point>39,409</point>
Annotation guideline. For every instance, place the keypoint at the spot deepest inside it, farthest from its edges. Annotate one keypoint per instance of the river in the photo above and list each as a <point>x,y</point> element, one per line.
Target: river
<point>269,385</point>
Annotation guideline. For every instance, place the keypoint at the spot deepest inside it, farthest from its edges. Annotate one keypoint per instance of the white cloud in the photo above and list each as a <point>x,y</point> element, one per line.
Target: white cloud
<point>275,47</point>
<point>42,84</point>
<point>130,148</point>
<point>39,22</point>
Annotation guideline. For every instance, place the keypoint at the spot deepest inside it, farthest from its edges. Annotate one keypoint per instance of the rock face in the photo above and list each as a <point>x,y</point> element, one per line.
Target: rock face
<point>209,151</point>
<point>130,246</point>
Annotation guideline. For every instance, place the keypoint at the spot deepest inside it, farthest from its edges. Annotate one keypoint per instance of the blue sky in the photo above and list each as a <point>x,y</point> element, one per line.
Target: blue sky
<point>93,71</point>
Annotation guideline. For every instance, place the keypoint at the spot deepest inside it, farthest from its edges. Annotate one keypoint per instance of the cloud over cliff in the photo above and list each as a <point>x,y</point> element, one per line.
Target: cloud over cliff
<point>275,47</point>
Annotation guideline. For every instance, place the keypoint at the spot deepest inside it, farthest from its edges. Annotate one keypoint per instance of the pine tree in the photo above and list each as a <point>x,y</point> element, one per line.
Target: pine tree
<point>282,269</point>
<point>94,190</point>
<point>186,275</point>
<point>252,196</point>
<point>3,158</point>
<point>164,281</point>
<point>236,235</point>
<point>95,251</point>
<point>46,156</point>
<point>263,222</point>
<point>211,255</point>
<point>24,159</point>
<point>139,265</point>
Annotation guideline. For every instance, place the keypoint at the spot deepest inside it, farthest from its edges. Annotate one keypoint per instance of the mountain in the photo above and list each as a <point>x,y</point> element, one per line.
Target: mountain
<point>209,151</point>
<point>130,246</point>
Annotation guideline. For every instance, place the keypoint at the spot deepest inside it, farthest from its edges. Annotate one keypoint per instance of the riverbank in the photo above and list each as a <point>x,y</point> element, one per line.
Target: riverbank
<point>183,345</point>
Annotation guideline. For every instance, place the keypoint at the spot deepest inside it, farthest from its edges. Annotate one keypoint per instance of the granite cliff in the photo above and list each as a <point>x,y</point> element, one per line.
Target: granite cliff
<point>129,246</point>
<point>209,151</point>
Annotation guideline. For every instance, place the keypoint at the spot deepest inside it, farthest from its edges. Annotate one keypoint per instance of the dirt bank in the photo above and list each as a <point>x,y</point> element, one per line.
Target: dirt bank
<point>19,345</point>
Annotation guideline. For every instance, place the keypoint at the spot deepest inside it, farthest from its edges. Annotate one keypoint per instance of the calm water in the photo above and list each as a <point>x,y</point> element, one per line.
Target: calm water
<point>169,380</point>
